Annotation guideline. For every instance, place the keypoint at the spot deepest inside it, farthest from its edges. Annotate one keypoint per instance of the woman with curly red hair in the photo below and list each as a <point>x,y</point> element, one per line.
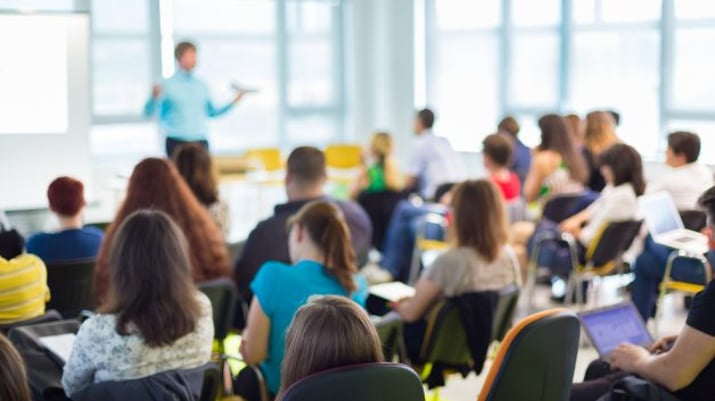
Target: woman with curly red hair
<point>155,184</point>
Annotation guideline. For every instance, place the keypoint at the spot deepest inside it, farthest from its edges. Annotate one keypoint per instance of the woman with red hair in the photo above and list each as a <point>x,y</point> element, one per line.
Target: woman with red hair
<point>155,184</point>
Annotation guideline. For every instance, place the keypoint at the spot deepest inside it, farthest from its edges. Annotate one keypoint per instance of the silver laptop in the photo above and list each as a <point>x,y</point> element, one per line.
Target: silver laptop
<point>666,226</point>
<point>612,325</point>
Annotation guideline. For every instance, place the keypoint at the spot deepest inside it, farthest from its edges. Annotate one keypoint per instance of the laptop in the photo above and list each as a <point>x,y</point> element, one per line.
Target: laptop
<point>666,227</point>
<point>58,347</point>
<point>612,325</point>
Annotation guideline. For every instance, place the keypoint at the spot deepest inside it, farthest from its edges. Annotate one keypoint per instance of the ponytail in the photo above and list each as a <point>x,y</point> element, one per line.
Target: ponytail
<point>325,225</point>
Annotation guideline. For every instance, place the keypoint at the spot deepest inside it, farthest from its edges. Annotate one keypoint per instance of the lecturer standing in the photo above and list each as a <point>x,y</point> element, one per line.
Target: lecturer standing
<point>184,104</point>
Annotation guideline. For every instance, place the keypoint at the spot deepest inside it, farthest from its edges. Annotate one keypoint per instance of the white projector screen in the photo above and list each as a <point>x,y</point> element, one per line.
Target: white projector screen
<point>44,104</point>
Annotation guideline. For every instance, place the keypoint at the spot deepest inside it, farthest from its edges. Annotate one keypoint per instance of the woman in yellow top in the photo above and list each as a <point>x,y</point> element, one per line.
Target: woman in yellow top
<point>23,288</point>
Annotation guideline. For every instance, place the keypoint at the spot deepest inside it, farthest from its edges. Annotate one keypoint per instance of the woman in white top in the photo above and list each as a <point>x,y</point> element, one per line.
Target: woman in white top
<point>622,169</point>
<point>154,319</point>
<point>480,260</point>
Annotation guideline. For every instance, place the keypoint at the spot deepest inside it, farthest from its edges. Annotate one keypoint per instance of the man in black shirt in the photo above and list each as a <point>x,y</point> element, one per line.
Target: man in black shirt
<point>682,364</point>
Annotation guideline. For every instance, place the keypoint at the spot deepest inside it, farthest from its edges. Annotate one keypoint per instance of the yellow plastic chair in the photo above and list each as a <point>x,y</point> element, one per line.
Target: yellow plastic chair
<point>269,159</point>
<point>343,156</point>
<point>669,285</point>
<point>424,245</point>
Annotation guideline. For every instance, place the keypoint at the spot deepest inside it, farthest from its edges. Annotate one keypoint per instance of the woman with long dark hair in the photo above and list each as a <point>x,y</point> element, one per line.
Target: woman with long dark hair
<point>153,319</point>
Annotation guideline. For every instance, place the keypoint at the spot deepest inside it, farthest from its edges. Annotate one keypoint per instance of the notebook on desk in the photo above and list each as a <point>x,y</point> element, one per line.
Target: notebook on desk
<point>666,227</point>
<point>612,325</point>
<point>58,346</point>
<point>392,292</point>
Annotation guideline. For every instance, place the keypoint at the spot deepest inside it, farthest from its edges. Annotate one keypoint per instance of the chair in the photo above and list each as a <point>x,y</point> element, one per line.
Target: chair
<point>560,207</point>
<point>49,316</point>
<point>224,298</point>
<point>343,156</point>
<point>71,287</point>
<point>379,207</point>
<point>370,381</point>
<point>267,159</point>
<point>425,244</point>
<point>603,255</point>
<point>390,331</point>
<point>669,284</point>
<point>211,383</point>
<point>504,312</point>
<point>536,360</point>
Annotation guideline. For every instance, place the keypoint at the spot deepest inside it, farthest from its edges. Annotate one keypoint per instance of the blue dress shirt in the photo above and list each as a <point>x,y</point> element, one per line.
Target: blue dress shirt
<point>183,107</point>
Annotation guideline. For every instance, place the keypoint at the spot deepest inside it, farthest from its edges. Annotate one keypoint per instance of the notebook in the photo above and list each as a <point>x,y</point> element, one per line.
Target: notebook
<point>393,291</point>
<point>612,325</point>
<point>666,227</point>
<point>59,346</point>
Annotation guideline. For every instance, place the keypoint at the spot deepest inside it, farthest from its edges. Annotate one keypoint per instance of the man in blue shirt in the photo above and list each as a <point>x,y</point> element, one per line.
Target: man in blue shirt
<point>521,161</point>
<point>183,103</point>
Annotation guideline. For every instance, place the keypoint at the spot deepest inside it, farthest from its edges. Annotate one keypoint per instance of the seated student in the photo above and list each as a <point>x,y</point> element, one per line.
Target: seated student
<point>11,242</point>
<point>433,161</point>
<point>577,127</point>
<point>481,260</point>
<point>685,179</point>
<point>497,153</point>
<point>522,154</point>
<point>13,375</point>
<point>382,174</point>
<point>684,365</point>
<point>193,162</point>
<point>622,169</point>
<point>154,318</point>
<point>328,332</point>
<point>600,135</point>
<point>305,181</point>
<point>72,242</point>
<point>23,287</point>
<point>323,264</point>
<point>156,184</point>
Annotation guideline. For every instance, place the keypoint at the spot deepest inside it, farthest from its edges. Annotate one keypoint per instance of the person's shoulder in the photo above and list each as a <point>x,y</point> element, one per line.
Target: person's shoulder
<point>273,269</point>
<point>23,261</point>
<point>92,231</point>
<point>36,241</point>
<point>204,302</point>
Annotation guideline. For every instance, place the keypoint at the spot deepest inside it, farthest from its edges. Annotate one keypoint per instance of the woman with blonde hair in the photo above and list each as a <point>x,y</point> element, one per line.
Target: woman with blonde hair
<point>156,184</point>
<point>328,332</point>
<point>13,374</point>
<point>382,174</point>
<point>480,259</point>
<point>600,134</point>
<point>323,264</point>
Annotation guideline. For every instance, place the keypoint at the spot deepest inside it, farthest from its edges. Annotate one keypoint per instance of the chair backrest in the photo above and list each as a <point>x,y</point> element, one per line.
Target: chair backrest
<point>269,159</point>
<point>560,207</point>
<point>49,316</point>
<point>370,381</point>
<point>694,220</point>
<point>379,207</point>
<point>611,242</point>
<point>71,287</point>
<point>224,296</point>
<point>389,329</point>
<point>504,311</point>
<point>536,360</point>
<point>343,156</point>
<point>445,339</point>
<point>211,384</point>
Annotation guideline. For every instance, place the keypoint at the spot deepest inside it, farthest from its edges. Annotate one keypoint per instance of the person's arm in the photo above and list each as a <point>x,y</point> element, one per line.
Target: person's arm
<point>362,182</point>
<point>392,175</point>
<point>214,111</point>
<point>152,105</point>
<point>574,223</point>
<point>412,309</point>
<point>692,352</point>
<point>79,368</point>
<point>254,342</point>
<point>535,178</point>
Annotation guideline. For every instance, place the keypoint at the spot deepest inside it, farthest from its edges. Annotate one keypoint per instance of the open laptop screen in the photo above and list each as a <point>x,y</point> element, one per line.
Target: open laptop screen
<point>660,213</point>
<point>611,326</point>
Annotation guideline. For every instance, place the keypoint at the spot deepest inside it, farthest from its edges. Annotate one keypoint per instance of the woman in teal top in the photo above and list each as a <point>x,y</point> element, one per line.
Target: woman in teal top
<point>323,264</point>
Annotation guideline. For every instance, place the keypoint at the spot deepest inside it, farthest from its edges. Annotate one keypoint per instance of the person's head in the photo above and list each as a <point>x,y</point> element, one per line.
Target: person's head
<point>185,54</point>
<point>152,290</point>
<point>497,151</point>
<point>683,148</point>
<point>577,128</point>
<point>13,375</point>
<point>381,146</point>
<point>328,332</point>
<point>707,202</point>
<point>424,120</point>
<point>480,219</point>
<point>622,164</point>
<point>193,162</point>
<point>600,131</point>
<point>156,184</point>
<point>509,125</point>
<point>66,196</point>
<point>305,173</point>
<point>555,136</point>
<point>319,231</point>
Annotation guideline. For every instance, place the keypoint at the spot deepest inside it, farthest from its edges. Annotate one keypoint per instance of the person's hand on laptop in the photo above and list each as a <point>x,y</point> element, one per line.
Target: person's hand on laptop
<point>663,345</point>
<point>626,357</point>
